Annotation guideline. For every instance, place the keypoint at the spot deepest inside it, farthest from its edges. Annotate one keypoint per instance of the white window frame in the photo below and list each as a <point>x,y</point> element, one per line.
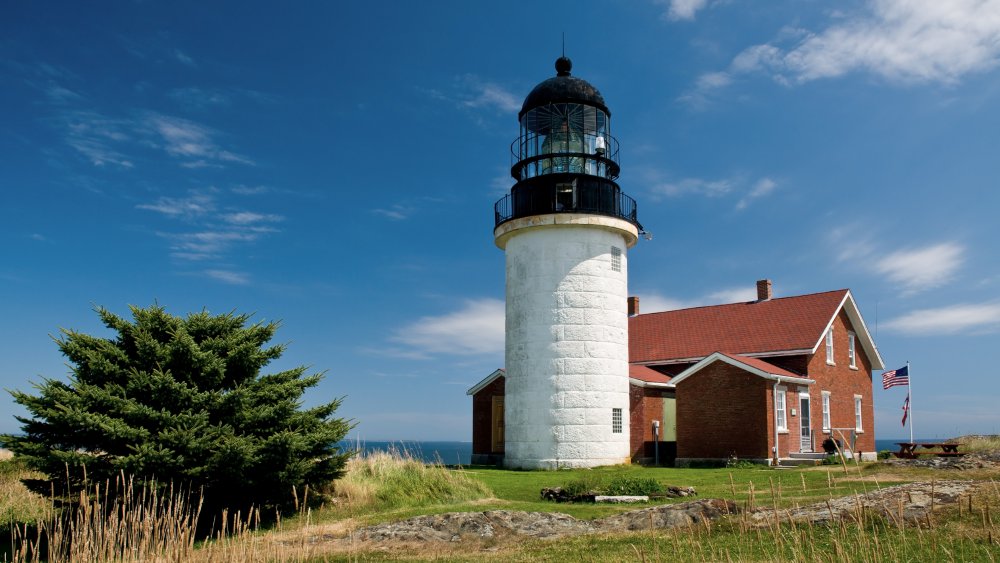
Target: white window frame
<point>826,411</point>
<point>851,351</point>
<point>781,409</point>
<point>616,259</point>
<point>858,425</point>
<point>829,347</point>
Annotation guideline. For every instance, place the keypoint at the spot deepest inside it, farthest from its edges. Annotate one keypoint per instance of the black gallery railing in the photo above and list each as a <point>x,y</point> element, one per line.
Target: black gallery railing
<point>566,198</point>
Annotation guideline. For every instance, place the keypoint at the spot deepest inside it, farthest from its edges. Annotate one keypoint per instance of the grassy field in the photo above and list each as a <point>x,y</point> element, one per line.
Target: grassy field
<point>384,488</point>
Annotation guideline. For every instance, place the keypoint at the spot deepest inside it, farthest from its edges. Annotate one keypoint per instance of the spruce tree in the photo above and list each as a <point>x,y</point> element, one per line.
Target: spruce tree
<point>182,401</point>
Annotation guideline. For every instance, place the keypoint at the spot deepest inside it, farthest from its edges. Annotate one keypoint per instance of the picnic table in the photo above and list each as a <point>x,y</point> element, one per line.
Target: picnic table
<point>909,450</point>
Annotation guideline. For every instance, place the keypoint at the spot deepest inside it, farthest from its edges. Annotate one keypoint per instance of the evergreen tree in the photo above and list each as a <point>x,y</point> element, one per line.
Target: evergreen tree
<point>181,400</point>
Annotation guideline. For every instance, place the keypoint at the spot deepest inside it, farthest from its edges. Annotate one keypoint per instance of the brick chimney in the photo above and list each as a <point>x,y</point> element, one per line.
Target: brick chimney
<point>633,306</point>
<point>764,290</point>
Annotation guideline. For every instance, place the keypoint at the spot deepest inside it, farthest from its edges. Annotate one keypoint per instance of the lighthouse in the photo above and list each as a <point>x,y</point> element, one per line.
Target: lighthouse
<point>565,229</point>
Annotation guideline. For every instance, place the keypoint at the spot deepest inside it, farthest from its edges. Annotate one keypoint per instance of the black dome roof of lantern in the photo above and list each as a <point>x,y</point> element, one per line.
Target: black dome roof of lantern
<point>563,88</point>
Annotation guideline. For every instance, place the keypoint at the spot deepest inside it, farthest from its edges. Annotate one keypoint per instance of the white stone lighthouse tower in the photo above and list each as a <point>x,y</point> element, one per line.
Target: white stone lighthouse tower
<point>566,227</point>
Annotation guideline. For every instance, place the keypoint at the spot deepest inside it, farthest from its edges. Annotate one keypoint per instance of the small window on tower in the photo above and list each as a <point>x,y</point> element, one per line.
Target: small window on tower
<point>616,421</point>
<point>616,259</point>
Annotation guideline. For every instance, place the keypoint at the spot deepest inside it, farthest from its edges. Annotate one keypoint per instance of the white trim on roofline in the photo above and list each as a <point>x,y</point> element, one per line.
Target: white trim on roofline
<point>860,330</point>
<point>795,352</point>
<point>486,381</point>
<point>719,356</point>
<point>650,384</point>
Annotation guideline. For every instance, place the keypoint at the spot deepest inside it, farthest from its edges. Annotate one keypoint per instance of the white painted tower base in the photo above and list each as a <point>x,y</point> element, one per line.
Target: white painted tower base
<point>567,340</point>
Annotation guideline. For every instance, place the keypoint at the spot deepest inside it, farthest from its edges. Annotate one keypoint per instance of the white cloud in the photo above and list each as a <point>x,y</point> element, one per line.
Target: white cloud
<point>395,212</point>
<point>186,139</point>
<point>249,218</point>
<point>654,302</point>
<point>476,328</point>
<point>484,94</point>
<point>948,320</point>
<point>899,40</point>
<point>763,187</point>
<point>183,58</point>
<point>906,41</point>
<point>228,276</point>
<point>188,207</point>
<point>922,268</point>
<point>683,9</point>
<point>694,186</point>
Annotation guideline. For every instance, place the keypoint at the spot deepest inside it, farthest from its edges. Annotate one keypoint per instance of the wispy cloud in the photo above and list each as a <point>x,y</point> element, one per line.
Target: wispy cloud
<point>183,58</point>
<point>761,188</point>
<point>250,218</point>
<point>110,140</point>
<point>712,188</point>
<point>903,41</point>
<point>210,234</point>
<point>655,302</point>
<point>95,136</point>
<point>396,212</point>
<point>912,269</point>
<point>187,207</point>
<point>918,269</point>
<point>476,328</point>
<point>477,96</point>
<point>228,276</point>
<point>694,186</point>
<point>682,9</point>
<point>481,93</point>
<point>186,139</point>
<point>971,317</point>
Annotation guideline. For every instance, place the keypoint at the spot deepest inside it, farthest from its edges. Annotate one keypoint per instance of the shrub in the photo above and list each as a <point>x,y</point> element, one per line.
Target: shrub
<point>885,454</point>
<point>633,486</point>
<point>181,401</point>
<point>587,485</point>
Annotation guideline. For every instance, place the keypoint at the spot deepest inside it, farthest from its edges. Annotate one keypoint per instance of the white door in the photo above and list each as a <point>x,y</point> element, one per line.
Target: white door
<point>805,430</point>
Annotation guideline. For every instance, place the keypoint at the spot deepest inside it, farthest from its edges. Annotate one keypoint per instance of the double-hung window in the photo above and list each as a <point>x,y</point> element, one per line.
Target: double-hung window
<point>850,350</point>
<point>826,411</point>
<point>857,414</point>
<point>779,409</point>
<point>829,346</point>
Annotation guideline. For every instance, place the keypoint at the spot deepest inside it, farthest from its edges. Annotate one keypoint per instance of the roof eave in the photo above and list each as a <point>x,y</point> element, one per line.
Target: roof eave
<point>719,356</point>
<point>486,381</point>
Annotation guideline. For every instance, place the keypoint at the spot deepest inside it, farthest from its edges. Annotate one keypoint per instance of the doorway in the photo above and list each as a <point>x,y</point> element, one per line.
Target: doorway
<point>805,429</point>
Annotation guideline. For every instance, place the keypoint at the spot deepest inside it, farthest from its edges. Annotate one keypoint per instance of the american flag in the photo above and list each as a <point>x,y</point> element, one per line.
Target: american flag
<point>895,377</point>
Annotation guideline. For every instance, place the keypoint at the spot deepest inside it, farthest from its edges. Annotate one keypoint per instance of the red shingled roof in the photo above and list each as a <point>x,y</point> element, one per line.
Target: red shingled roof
<point>643,373</point>
<point>756,327</point>
<point>761,365</point>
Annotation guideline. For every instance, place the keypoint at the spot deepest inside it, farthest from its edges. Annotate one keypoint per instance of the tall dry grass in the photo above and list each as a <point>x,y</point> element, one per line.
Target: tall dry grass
<point>140,521</point>
<point>979,443</point>
<point>17,503</point>
<point>120,521</point>
<point>393,479</point>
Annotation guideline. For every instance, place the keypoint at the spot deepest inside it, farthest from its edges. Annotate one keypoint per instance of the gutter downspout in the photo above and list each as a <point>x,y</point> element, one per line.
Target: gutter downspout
<point>774,462</point>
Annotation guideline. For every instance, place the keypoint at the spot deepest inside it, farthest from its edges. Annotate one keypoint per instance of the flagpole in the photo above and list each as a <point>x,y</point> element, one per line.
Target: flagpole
<point>909,391</point>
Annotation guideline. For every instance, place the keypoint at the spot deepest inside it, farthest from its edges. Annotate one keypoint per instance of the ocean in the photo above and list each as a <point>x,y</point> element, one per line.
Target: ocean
<point>448,453</point>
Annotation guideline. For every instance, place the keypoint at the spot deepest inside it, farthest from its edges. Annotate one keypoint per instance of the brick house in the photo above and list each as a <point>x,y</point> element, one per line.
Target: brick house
<point>757,380</point>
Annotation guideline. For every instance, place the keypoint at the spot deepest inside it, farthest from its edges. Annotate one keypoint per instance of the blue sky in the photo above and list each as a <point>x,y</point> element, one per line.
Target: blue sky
<point>334,166</point>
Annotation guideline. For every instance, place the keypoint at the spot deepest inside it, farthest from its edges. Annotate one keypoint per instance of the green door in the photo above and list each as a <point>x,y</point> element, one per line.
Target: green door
<point>668,429</point>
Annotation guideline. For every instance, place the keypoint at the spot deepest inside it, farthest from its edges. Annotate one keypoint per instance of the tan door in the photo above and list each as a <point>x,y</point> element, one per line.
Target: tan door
<point>668,430</point>
<point>498,424</point>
